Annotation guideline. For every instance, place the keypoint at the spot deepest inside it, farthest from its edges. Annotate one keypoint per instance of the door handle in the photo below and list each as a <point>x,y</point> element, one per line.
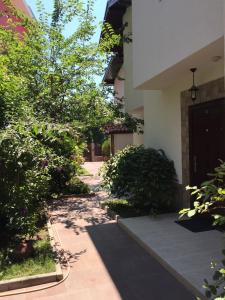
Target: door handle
<point>195,163</point>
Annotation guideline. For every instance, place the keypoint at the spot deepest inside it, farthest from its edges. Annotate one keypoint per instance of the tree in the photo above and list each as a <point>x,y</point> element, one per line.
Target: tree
<point>48,100</point>
<point>58,70</point>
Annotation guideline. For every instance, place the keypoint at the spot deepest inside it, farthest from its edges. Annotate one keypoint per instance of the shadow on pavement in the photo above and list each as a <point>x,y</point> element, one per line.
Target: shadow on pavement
<point>136,274</point>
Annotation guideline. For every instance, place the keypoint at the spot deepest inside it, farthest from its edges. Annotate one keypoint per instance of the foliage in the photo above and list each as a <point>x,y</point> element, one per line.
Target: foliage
<point>58,71</point>
<point>210,199</point>
<point>49,105</point>
<point>122,118</point>
<point>76,186</point>
<point>106,148</point>
<point>124,208</point>
<point>24,180</point>
<point>216,289</point>
<point>210,196</point>
<point>34,158</point>
<point>83,172</point>
<point>146,177</point>
<point>133,123</point>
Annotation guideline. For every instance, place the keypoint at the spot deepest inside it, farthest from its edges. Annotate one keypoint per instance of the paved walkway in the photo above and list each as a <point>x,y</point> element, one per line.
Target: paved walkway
<point>106,264</point>
<point>93,181</point>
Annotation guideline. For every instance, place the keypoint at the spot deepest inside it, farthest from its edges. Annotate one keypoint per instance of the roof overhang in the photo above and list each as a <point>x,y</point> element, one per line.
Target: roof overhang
<point>201,59</point>
<point>112,69</point>
<point>117,129</point>
<point>114,12</point>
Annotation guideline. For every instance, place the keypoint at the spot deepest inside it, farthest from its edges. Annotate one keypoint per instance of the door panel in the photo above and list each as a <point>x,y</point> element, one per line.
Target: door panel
<point>207,139</point>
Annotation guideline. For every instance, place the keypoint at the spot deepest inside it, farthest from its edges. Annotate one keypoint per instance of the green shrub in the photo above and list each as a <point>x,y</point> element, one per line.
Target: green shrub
<point>146,177</point>
<point>117,204</point>
<point>124,208</point>
<point>210,200</point>
<point>47,94</point>
<point>64,142</point>
<point>106,148</point>
<point>24,180</point>
<point>76,186</point>
<point>215,290</point>
<point>83,172</point>
<point>30,168</point>
<point>210,196</point>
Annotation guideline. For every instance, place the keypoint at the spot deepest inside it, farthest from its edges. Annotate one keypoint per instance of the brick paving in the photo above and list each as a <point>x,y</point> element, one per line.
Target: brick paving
<point>106,264</point>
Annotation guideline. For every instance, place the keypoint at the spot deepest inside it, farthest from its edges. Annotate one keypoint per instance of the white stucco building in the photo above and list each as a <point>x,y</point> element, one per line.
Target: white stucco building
<point>169,37</point>
<point>119,74</point>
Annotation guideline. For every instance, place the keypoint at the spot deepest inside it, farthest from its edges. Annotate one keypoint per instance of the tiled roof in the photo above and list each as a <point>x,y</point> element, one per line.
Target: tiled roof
<point>116,129</point>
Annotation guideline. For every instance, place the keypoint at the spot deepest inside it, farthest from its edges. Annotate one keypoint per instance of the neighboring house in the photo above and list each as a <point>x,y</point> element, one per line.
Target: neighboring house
<point>20,5</point>
<point>169,37</point>
<point>119,74</point>
<point>120,137</point>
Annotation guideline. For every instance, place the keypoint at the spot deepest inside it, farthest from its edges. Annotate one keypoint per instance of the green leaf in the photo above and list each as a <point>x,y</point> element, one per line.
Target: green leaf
<point>35,129</point>
<point>191,213</point>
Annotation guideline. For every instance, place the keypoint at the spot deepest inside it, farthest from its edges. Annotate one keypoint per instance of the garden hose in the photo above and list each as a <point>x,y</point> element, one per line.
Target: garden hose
<point>4,294</point>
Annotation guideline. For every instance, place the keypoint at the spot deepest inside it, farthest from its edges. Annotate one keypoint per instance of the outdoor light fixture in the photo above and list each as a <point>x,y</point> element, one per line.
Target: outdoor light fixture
<point>194,89</point>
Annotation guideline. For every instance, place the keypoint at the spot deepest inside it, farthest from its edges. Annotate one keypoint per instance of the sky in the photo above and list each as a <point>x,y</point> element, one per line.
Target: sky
<point>100,6</point>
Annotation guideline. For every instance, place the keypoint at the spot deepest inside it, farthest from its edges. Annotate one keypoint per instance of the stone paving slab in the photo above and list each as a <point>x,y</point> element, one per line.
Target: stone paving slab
<point>187,255</point>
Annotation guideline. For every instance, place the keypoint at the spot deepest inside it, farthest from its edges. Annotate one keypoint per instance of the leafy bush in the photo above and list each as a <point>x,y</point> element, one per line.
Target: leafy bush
<point>77,187</point>
<point>210,200</point>
<point>29,156</point>
<point>24,180</point>
<point>65,143</point>
<point>83,172</point>
<point>47,94</point>
<point>106,148</point>
<point>117,204</point>
<point>124,208</point>
<point>210,196</point>
<point>146,177</point>
<point>216,290</point>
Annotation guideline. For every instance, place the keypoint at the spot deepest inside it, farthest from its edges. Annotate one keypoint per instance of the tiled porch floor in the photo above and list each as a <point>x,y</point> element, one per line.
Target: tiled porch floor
<point>185,254</point>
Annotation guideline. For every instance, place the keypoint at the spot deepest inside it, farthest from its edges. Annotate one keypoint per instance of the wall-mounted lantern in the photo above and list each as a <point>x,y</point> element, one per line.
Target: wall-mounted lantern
<point>194,89</point>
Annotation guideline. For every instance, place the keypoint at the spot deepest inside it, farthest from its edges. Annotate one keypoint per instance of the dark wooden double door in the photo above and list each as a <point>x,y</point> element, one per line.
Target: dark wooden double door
<point>206,139</point>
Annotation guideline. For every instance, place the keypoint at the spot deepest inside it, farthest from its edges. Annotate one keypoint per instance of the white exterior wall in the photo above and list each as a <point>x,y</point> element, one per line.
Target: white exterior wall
<point>165,32</point>
<point>162,115</point>
<point>122,140</point>
<point>133,98</point>
<point>139,114</point>
<point>163,125</point>
<point>119,84</point>
<point>138,139</point>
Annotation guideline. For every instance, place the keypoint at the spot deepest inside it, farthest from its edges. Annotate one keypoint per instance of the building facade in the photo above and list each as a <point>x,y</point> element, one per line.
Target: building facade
<point>169,37</point>
<point>21,6</point>
<point>119,74</point>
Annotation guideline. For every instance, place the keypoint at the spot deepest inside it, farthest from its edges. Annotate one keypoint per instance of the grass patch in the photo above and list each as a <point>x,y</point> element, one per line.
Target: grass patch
<point>41,261</point>
<point>125,209</point>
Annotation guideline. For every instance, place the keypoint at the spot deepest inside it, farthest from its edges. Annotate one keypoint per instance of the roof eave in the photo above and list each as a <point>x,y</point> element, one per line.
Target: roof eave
<point>113,69</point>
